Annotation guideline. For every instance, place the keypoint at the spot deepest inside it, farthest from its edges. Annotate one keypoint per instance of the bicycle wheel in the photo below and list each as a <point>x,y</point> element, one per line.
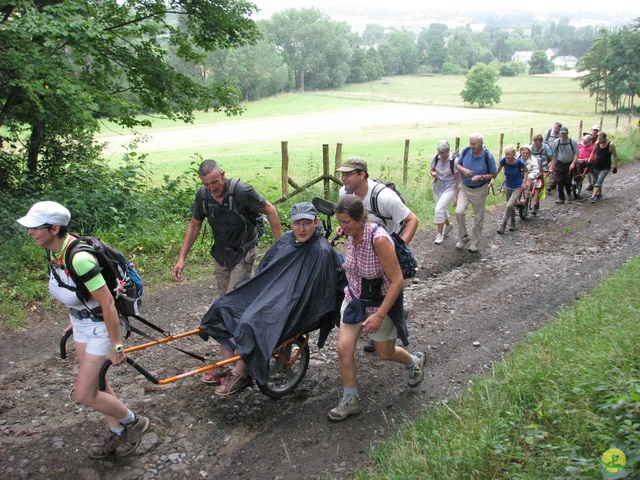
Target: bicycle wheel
<point>523,206</point>
<point>287,367</point>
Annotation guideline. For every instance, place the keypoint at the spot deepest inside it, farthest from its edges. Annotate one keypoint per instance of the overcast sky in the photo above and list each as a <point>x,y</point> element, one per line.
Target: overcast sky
<point>454,5</point>
<point>359,12</point>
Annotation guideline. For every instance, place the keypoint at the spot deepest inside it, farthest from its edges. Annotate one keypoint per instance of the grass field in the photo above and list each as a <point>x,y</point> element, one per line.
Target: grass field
<point>371,120</point>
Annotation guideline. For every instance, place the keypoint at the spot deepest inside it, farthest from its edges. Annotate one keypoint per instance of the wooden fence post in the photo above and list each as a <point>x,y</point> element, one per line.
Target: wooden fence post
<point>405,162</point>
<point>531,135</point>
<point>501,145</point>
<point>457,149</point>
<point>325,170</point>
<point>337,162</point>
<point>285,167</point>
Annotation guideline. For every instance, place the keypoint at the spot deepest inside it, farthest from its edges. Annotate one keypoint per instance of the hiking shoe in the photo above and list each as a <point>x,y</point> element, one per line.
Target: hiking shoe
<point>512,225</point>
<point>369,346</point>
<point>347,406</point>
<point>593,199</point>
<point>232,383</point>
<point>559,202</point>
<point>501,228</point>
<point>473,248</point>
<point>107,447</point>
<point>131,436</point>
<point>589,188</point>
<point>417,374</point>
<point>462,242</point>
<point>447,230</point>
<point>439,239</point>
<point>215,375</point>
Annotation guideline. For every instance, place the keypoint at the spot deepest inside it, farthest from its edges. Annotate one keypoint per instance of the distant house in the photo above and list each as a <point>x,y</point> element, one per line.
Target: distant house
<point>522,56</point>
<point>565,62</point>
<point>551,52</point>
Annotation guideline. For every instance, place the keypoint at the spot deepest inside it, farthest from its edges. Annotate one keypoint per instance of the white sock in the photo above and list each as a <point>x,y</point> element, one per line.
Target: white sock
<point>350,392</point>
<point>128,418</point>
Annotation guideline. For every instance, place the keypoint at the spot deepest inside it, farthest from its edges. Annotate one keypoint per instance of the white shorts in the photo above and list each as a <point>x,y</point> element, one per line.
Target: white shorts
<point>93,334</point>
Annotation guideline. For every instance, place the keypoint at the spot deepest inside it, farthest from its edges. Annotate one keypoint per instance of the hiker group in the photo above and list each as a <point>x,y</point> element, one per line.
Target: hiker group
<point>466,179</point>
<point>302,277</point>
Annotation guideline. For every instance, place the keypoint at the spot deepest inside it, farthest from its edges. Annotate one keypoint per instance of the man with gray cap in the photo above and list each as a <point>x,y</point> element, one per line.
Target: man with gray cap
<point>564,162</point>
<point>384,205</point>
<point>295,289</point>
<point>96,327</point>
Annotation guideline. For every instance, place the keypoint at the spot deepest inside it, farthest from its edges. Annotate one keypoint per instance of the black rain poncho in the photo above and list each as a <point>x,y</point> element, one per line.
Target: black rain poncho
<point>297,288</point>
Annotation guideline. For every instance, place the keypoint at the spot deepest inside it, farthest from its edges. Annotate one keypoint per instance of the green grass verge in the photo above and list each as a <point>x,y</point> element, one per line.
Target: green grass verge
<point>551,410</point>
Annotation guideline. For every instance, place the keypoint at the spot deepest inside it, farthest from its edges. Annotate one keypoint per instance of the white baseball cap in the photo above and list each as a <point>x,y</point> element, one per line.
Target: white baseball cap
<point>596,127</point>
<point>45,213</point>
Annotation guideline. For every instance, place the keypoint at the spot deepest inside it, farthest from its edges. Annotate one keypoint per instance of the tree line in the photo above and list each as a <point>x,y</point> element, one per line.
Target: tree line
<point>68,65</point>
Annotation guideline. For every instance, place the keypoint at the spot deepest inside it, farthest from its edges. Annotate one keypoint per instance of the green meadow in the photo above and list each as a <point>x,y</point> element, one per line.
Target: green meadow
<point>529,105</point>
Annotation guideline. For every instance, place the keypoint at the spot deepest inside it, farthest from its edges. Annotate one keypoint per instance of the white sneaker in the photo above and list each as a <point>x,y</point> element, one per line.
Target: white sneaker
<point>447,229</point>
<point>462,242</point>
<point>347,406</point>
<point>439,239</point>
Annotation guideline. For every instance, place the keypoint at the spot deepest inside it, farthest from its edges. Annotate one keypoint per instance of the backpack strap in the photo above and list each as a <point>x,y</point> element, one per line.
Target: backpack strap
<point>373,199</point>
<point>232,192</point>
<point>466,150</point>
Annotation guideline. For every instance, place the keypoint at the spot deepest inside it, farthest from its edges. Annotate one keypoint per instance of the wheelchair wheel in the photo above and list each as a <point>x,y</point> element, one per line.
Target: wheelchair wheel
<point>287,367</point>
<point>576,187</point>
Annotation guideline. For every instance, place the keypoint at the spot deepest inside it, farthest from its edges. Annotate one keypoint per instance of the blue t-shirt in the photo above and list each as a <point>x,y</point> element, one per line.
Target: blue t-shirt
<point>480,165</point>
<point>513,173</point>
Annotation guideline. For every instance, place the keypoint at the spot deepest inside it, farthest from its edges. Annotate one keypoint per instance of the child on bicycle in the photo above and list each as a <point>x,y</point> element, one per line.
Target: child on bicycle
<point>534,179</point>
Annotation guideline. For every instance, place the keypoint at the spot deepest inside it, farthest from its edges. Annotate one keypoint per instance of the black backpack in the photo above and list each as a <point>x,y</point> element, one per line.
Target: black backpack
<point>452,160</point>
<point>375,191</point>
<point>256,222</point>
<point>121,277</point>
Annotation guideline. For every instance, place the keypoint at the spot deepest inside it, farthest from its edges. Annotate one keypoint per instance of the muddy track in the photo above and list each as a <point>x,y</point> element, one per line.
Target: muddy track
<point>492,299</point>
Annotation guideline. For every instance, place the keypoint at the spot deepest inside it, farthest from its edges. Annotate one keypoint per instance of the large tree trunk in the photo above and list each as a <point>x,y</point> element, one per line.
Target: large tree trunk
<point>35,143</point>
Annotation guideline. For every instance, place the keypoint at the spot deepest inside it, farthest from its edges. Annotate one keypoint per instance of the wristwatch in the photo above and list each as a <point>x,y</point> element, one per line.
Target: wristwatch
<point>118,349</point>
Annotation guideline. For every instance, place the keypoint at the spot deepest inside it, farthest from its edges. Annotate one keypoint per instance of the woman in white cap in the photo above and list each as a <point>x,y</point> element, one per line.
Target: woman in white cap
<point>97,339</point>
<point>446,183</point>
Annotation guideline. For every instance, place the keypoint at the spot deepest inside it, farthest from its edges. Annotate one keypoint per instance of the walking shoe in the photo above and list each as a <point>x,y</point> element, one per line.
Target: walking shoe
<point>501,228</point>
<point>593,199</point>
<point>369,346</point>
<point>107,447</point>
<point>536,207</point>
<point>473,248</point>
<point>417,374</point>
<point>512,225</point>
<point>232,383</point>
<point>131,436</point>
<point>439,239</point>
<point>589,188</point>
<point>347,406</point>
<point>215,375</point>
<point>447,229</point>
<point>462,242</point>
<point>559,202</point>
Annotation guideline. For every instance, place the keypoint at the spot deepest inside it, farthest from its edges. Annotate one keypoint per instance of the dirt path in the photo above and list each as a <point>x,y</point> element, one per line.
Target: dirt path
<point>515,284</point>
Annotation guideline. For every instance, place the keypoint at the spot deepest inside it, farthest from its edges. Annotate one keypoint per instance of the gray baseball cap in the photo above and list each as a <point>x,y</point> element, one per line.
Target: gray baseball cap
<point>303,210</point>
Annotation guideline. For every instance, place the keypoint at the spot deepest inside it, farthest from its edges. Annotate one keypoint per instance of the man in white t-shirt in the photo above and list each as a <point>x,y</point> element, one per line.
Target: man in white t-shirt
<point>388,210</point>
